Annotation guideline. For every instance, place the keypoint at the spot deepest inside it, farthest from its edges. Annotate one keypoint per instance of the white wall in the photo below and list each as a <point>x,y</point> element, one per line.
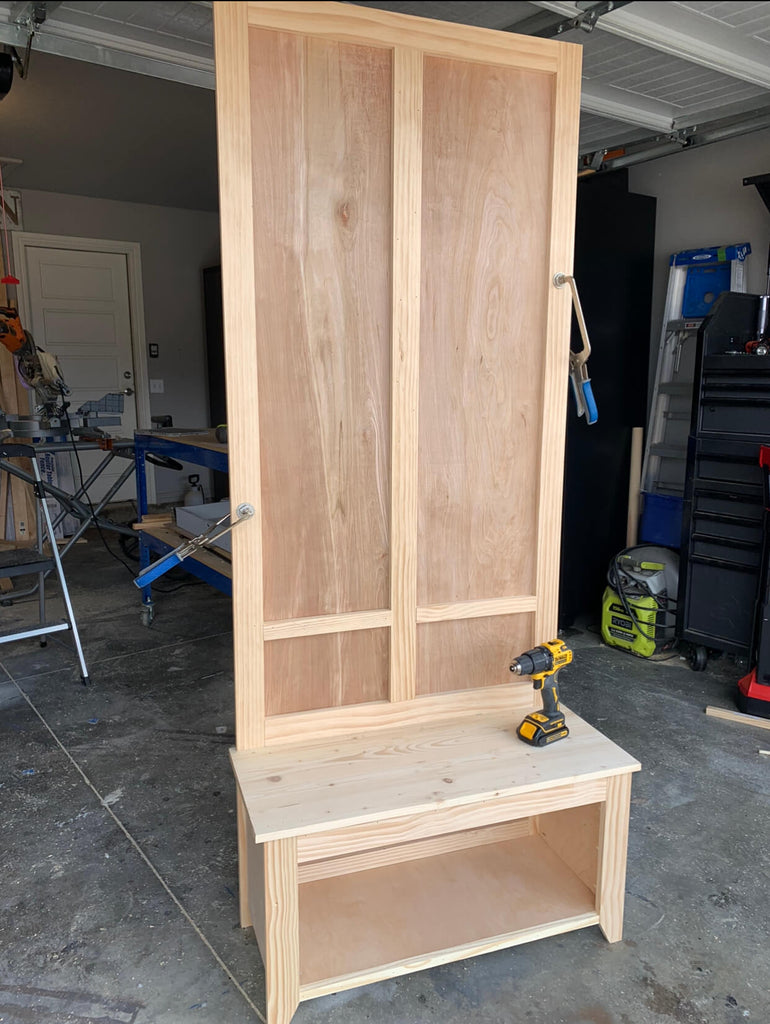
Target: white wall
<point>702,202</point>
<point>176,245</point>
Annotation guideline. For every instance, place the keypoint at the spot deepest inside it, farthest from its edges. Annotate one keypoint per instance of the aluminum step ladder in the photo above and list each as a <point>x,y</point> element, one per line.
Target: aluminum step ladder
<point>665,452</point>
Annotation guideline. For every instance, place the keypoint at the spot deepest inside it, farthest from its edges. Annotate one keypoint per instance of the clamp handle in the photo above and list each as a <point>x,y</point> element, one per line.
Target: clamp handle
<point>158,569</point>
<point>581,382</point>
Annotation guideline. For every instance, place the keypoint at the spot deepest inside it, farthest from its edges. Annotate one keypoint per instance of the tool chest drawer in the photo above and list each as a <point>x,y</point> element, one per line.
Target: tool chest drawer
<point>735,396</point>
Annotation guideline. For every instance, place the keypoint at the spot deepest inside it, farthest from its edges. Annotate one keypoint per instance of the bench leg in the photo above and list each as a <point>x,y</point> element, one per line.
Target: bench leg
<point>243,862</point>
<point>613,848</point>
<point>281,930</point>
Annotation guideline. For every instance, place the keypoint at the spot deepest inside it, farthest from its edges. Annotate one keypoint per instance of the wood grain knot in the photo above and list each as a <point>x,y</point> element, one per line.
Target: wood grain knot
<point>344,212</point>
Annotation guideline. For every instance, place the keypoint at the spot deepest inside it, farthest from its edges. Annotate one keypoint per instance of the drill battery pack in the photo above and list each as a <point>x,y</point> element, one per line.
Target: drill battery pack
<point>620,630</point>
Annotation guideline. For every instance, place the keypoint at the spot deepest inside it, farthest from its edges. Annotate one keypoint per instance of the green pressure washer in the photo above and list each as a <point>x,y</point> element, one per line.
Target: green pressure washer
<point>639,603</point>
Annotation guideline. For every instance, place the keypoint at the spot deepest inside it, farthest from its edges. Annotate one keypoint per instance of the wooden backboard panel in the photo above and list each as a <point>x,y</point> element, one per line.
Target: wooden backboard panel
<point>471,652</point>
<point>397,195</point>
<point>321,130</point>
<point>487,147</point>
<point>309,672</point>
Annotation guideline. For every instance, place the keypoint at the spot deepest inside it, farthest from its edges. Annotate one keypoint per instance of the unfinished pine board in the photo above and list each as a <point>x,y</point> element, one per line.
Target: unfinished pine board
<point>482,896</point>
<point>322,171</point>
<point>405,360</point>
<point>454,655</point>
<point>515,699</point>
<point>329,670</point>
<point>316,625</point>
<point>447,820</point>
<point>417,849</point>
<point>361,25</point>
<point>477,609</point>
<point>234,151</point>
<point>281,930</point>
<point>387,774</point>
<point>613,852</point>
<point>484,294</point>
<point>737,716</point>
<point>566,121</point>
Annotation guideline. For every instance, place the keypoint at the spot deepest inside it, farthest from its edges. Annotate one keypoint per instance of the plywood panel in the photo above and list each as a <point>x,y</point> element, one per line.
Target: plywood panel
<point>307,672</point>
<point>470,652</point>
<point>487,150</point>
<point>322,181</point>
<point>413,909</point>
<point>573,835</point>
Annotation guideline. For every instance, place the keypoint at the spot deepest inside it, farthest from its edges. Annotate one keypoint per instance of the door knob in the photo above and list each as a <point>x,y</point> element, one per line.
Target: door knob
<point>128,391</point>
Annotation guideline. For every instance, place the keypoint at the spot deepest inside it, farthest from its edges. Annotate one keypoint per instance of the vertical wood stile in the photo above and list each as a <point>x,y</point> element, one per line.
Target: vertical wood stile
<point>281,930</point>
<point>556,375</point>
<point>407,230</point>
<point>236,206</point>
<point>613,854</point>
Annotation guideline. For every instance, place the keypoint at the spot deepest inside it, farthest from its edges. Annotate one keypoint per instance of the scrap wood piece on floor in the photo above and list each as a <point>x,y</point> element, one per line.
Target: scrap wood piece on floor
<point>737,716</point>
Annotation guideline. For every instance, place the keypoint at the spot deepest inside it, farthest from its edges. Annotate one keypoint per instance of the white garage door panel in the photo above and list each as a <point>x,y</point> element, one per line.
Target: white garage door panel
<point>59,280</point>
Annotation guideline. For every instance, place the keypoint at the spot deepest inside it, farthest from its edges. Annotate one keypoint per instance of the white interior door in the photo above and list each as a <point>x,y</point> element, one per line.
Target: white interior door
<point>79,309</point>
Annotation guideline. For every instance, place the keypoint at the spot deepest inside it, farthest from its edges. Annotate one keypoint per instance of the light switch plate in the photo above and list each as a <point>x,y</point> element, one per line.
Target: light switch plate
<point>156,386</point>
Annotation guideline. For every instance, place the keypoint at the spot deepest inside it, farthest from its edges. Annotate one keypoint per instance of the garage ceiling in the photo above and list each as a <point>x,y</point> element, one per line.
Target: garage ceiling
<point>651,70</point>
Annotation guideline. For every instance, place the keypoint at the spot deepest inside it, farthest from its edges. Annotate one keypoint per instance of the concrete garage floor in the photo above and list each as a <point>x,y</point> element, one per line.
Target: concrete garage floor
<point>118,844</point>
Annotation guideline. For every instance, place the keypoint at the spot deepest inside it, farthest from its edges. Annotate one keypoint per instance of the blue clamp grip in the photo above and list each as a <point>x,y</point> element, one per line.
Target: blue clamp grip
<point>157,569</point>
<point>592,413</point>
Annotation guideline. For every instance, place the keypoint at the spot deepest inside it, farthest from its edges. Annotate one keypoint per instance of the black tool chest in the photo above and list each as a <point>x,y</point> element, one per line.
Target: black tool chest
<point>722,526</point>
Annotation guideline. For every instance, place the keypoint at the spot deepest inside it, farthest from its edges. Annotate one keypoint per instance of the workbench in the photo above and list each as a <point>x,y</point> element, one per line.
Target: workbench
<point>201,448</point>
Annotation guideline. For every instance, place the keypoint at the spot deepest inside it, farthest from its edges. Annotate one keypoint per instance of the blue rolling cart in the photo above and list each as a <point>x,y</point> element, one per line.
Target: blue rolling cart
<point>201,449</point>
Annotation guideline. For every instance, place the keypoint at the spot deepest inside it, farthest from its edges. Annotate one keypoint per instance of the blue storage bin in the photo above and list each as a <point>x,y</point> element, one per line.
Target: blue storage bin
<point>661,521</point>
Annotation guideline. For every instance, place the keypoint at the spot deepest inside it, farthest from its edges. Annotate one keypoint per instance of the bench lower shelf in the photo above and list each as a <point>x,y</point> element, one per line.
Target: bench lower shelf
<point>391,920</point>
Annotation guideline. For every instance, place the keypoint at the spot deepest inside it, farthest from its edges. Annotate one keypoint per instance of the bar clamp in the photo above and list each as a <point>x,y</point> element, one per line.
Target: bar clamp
<point>222,526</point>
<point>578,361</point>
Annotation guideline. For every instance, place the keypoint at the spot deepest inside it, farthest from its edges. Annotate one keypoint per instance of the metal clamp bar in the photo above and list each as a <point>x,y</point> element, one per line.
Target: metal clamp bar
<point>581,382</point>
<point>189,547</point>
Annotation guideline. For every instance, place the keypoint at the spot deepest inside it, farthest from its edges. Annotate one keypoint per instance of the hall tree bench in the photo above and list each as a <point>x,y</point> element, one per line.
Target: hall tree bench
<point>397,197</point>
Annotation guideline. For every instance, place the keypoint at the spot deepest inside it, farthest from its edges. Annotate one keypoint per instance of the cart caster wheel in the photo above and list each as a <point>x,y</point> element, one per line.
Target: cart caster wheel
<point>698,658</point>
<point>6,604</point>
<point>147,615</point>
<point>43,643</point>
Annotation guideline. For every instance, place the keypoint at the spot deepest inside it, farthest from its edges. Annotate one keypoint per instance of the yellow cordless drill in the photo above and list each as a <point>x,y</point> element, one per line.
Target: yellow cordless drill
<point>544,662</point>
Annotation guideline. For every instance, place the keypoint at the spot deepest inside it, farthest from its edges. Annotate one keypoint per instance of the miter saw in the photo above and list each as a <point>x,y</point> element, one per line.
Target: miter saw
<point>40,372</point>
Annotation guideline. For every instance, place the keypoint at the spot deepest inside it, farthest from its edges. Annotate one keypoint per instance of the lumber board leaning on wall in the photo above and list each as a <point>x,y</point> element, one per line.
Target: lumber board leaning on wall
<point>17,504</point>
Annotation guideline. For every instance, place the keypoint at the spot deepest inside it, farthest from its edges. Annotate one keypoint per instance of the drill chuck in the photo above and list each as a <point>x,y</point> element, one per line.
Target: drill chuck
<point>533,662</point>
